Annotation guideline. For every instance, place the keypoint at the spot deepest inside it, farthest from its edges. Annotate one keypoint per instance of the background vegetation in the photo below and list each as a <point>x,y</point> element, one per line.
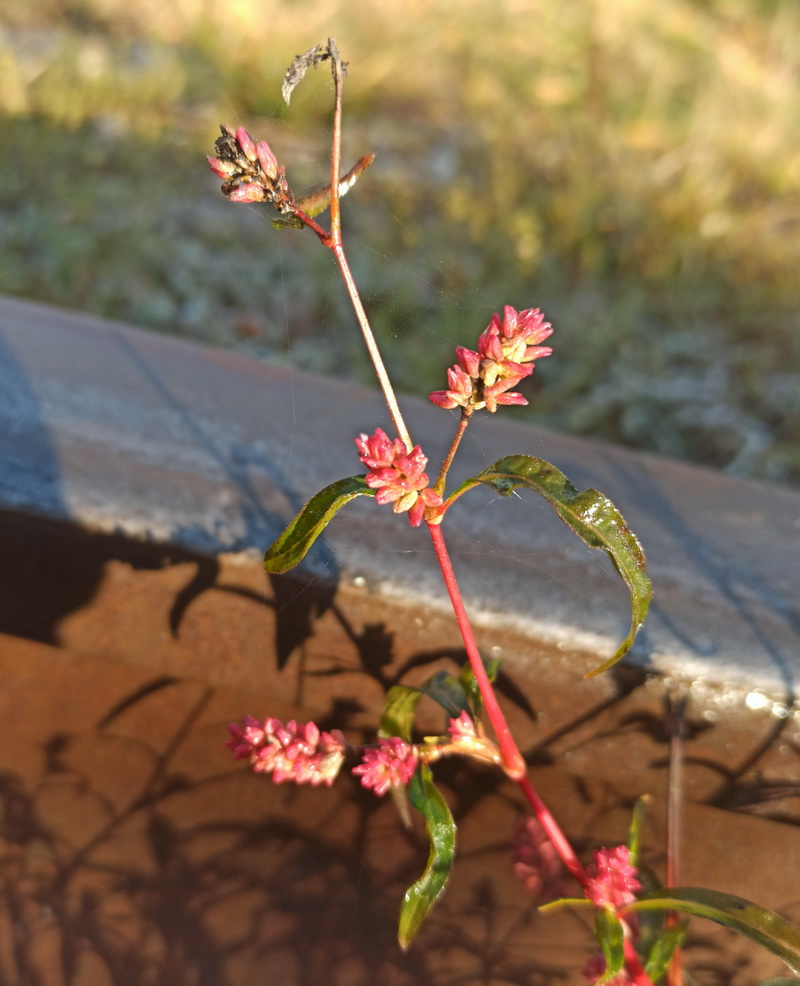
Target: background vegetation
<point>632,168</point>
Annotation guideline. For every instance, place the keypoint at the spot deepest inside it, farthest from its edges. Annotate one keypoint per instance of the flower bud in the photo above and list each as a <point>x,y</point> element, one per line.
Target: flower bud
<point>267,159</point>
<point>223,169</point>
<point>246,143</point>
<point>248,191</point>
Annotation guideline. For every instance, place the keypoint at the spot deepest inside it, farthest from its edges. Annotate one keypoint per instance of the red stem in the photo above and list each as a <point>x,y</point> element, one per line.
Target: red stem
<point>554,833</point>
<point>466,414</point>
<point>512,758</point>
<point>634,967</point>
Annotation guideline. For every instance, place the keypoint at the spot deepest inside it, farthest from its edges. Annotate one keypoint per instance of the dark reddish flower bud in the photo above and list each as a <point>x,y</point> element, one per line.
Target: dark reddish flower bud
<point>250,171</point>
<point>248,191</point>
<point>223,169</point>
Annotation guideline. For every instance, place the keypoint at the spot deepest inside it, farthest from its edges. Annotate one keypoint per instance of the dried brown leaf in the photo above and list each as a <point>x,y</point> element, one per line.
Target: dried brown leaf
<point>302,63</point>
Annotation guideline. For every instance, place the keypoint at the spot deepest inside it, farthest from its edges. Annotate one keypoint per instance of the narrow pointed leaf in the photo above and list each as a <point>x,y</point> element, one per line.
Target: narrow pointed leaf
<point>441,829</point>
<point>765,927</point>
<point>292,546</point>
<point>318,201</point>
<point>634,833</point>
<point>662,951</point>
<point>610,937</point>
<point>591,515</point>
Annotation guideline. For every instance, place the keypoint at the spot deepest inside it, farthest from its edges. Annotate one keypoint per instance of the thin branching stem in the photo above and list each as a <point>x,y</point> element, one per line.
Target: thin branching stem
<point>441,479</point>
<point>334,242</point>
<point>336,143</point>
<point>372,347</point>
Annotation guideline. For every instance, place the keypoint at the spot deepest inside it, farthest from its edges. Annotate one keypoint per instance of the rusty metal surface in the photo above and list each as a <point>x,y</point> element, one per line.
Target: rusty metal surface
<point>135,852</point>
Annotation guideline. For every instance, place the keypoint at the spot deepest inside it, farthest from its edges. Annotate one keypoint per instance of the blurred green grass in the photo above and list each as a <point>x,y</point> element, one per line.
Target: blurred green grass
<point>632,168</point>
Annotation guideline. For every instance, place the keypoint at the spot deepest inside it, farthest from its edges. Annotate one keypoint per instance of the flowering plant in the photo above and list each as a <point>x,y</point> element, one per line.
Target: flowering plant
<point>483,378</point>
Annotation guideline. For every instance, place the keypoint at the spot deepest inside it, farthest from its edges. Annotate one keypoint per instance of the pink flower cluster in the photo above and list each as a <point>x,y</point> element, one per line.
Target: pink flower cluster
<point>462,729</point>
<point>296,751</point>
<point>505,356</point>
<point>613,883</point>
<point>302,753</point>
<point>390,764</point>
<point>249,170</point>
<point>537,863</point>
<point>398,475</point>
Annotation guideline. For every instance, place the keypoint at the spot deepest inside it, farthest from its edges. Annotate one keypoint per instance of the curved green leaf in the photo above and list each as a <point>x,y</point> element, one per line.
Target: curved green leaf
<point>441,829</point>
<point>765,927</point>
<point>292,546</point>
<point>591,515</point>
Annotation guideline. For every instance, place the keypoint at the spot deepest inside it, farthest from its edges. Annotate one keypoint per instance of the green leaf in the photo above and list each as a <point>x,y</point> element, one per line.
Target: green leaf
<point>292,546</point>
<point>634,833</point>
<point>610,937</point>
<point>765,927</point>
<point>661,953</point>
<point>446,690</point>
<point>562,902</point>
<point>288,222</point>
<point>441,829</point>
<point>397,717</point>
<point>591,515</point>
<point>470,685</point>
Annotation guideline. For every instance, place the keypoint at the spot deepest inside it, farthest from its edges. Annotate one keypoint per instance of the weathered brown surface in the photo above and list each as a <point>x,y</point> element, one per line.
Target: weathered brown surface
<point>151,857</point>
